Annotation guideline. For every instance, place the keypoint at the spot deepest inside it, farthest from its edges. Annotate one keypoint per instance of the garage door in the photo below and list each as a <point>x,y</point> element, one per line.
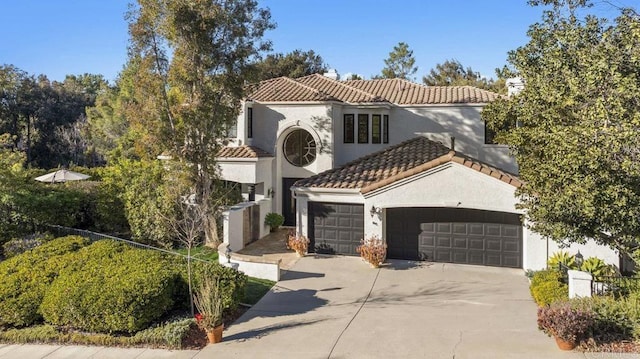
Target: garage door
<point>337,226</point>
<point>455,235</point>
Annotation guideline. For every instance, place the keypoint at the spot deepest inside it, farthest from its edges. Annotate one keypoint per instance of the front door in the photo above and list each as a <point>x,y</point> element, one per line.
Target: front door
<point>288,202</point>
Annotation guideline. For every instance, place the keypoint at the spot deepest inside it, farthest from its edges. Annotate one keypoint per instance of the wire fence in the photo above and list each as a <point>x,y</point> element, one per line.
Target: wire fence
<point>94,236</point>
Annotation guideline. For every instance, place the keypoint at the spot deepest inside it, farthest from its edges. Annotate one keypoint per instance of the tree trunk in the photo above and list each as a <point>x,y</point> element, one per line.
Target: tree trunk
<point>211,232</point>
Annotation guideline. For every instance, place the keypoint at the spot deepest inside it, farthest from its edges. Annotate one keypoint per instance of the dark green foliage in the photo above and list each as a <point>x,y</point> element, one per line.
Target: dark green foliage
<point>111,287</point>
<point>578,129</point>
<point>400,63</point>
<point>295,64</point>
<point>564,321</point>
<point>27,277</point>
<point>170,335</point>
<point>547,287</point>
<point>273,220</point>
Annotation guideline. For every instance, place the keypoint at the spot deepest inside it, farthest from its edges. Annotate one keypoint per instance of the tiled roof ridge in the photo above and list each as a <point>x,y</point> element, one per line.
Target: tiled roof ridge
<point>408,173</point>
<point>372,97</point>
<point>311,88</point>
<point>487,169</point>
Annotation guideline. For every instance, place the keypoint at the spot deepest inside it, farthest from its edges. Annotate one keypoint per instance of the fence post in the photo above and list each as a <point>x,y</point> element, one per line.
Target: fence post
<point>579,284</point>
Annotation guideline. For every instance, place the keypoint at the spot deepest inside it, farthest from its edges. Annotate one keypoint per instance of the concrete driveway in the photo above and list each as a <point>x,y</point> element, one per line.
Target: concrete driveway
<point>339,307</point>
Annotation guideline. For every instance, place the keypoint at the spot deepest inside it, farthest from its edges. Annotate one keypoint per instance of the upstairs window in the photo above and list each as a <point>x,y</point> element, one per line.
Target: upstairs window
<point>250,122</point>
<point>349,128</point>
<point>376,129</point>
<point>363,128</point>
<point>385,129</point>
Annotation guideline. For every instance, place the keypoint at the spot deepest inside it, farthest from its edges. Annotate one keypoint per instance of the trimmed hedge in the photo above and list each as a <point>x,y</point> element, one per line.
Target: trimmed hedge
<point>112,287</point>
<point>547,287</point>
<point>27,277</point>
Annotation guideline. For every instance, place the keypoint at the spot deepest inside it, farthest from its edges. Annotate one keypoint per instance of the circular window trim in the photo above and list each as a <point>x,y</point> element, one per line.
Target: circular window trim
<point>306,142</point>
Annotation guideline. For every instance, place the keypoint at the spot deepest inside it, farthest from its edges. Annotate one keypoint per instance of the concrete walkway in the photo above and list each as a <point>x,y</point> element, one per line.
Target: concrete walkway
<point>338,307</point>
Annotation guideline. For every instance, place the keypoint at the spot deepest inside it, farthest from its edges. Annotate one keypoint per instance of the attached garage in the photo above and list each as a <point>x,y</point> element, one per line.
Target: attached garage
<point>339,226</point>
<point>455,235</point>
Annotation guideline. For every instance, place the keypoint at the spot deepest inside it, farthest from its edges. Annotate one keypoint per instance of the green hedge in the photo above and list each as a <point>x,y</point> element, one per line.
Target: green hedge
<point>547,287</point>
<point>112,287</point>
<point>27,277</point>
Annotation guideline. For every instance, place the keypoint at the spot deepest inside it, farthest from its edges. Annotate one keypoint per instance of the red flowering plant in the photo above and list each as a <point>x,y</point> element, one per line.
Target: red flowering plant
<point>563,321</point>
<point>298,243</point>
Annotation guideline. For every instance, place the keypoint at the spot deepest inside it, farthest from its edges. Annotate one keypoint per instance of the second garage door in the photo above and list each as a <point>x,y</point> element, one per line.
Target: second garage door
<point>455,235</point>
<point>339,226</point>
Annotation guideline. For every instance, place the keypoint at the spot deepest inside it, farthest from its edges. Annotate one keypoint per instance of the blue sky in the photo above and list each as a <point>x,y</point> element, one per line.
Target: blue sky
<point>62,37</point>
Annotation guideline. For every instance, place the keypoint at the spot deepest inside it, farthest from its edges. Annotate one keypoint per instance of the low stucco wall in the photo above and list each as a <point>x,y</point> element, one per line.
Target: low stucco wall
<point>253,267</point>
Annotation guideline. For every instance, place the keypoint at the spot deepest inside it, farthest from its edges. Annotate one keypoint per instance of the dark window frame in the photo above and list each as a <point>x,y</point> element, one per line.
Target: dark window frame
<point>349,134</point>
<point>249,122</point>
<point>376,128</point>
<point>385,129</point>
<point>363,124</point>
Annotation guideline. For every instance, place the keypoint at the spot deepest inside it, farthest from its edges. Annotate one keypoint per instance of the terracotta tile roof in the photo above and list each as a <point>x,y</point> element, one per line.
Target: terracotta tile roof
<point>318,88</point>
<point>398,162</point>
<point>404,92</point>
<point>243,152</point>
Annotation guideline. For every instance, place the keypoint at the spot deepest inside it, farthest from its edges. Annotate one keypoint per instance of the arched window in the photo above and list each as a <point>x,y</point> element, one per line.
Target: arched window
<point>299,148</point>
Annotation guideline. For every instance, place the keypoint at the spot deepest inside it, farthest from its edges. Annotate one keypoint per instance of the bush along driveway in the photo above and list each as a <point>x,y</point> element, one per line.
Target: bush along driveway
<point>339,307</point>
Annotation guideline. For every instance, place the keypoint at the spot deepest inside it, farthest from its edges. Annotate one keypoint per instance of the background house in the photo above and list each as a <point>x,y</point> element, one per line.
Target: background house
<point>343,160</point>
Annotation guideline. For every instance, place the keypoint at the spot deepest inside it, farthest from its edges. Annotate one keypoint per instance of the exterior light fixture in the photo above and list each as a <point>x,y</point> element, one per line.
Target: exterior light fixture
<point>227,254</point>
<point>375,210</point>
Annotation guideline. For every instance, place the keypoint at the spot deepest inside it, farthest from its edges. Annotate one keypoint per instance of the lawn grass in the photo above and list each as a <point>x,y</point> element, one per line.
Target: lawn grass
<point>256,289</point>
<point>201,252</point>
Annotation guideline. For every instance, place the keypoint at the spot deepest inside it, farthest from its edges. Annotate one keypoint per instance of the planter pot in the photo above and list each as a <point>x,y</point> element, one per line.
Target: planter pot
<point>215,335</point>
<point>300,254</point>
<point>565,345</point>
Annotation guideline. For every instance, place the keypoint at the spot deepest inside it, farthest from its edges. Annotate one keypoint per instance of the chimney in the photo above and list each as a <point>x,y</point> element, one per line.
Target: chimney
<point>332,74</point>
<point>514,85</point>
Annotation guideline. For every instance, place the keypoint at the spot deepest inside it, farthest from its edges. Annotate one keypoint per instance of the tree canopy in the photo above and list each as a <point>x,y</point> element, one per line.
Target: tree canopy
<point>453,73</point>
<point>295,64</point>
<point>400,63</point>
<point>575,128</point>
<point>191,61</point>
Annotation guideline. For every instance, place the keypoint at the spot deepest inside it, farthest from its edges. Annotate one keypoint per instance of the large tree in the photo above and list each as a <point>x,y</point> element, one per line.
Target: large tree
<point>453,73</point>
<point>193,58</point>
<point>400,63</point>
<point>575,128</point>
<point>294,64</point>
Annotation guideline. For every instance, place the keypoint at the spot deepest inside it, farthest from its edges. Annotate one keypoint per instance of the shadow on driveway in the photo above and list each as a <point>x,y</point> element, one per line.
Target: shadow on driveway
<point>261,332</point>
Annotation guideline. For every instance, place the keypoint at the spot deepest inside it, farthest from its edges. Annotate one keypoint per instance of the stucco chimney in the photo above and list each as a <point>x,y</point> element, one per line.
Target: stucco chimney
<point>514,85</point>
<point>332,74</point>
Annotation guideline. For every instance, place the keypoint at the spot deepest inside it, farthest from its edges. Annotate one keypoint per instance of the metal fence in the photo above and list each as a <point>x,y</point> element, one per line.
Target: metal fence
<point>93,236</point>
<point>615,286</point>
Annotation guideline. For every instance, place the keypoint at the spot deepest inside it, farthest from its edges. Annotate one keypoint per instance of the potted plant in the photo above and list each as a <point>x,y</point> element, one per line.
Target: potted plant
<point>373,250</point>
<point>274,221</point>
<point>208,299</point>
<point>298,243</point>
<point>568,325</point>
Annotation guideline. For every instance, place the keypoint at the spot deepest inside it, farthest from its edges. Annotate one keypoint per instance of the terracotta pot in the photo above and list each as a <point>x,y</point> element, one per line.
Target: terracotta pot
<point>565,345</point>
<point>215,334</point>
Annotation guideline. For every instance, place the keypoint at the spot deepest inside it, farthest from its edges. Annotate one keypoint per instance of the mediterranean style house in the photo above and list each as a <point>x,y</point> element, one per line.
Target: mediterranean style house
<point>414,165</point>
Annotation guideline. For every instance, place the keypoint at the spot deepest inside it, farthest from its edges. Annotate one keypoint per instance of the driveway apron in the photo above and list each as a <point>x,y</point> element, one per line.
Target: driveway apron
<point>339,307</point>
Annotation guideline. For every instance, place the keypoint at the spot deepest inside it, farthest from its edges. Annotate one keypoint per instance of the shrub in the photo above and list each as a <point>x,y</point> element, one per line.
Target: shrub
<point>373,250</point>
<point>112,287</point>
<point>298,243</point>
<point>565,322</point>
<point>274,220</point>
<point>232,283</point>
<point>562,257</point>
<point>597,267</point>
<point>20,245</point>
<point>614,318</point>
<point>547,287</point>
<point>169,335</point>
<point>27,277</point>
